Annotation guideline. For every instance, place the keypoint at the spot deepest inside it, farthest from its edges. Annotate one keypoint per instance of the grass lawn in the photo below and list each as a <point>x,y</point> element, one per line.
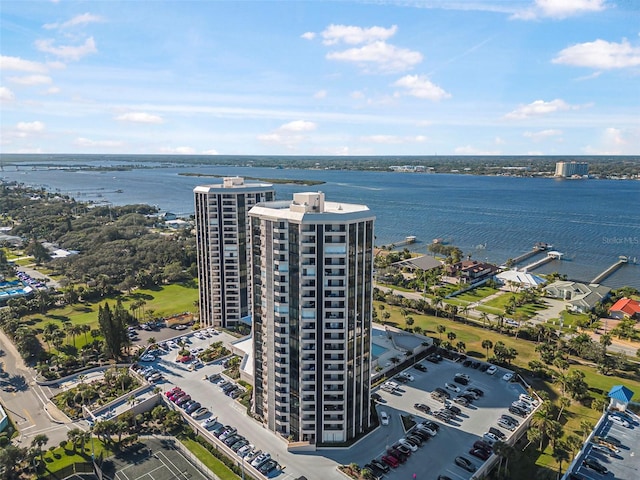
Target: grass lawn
<point>497,305</point>
<point>164,301</point>
<point>63,457</point>
<point>215,465</point>
<point>476,294</point>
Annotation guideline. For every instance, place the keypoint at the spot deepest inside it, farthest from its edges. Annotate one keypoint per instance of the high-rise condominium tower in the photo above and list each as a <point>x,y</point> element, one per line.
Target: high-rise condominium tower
<point>312,301</point>
<point>222,241</point>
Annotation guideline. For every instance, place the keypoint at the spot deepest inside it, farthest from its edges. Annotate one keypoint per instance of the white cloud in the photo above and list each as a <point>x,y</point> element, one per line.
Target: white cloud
<point>320,94</point>
<point>67,52</point>
<point>6,95</point>
<point>85,142</point>
<point>392,139</point>
<point>351,35</point>
<point>469,150</point>
<point>559,9</point>
<point>82,19</point>
<point>21,65</point>
<point>616,141</point>
<point>211,152</point>
<point>421,87</point>
<point>600,54</point>
<point>379,56</point>
<point>177,150</point>
<point>298,126</point>
<point>31,80</point>
<point>357,95</point>
<point>499,141</point>
<point>30,127</point>
<point>140,117</point>
<point>542,134</point>
<point>308,35</point>
<point>52,90</point>
<point>540,107</point>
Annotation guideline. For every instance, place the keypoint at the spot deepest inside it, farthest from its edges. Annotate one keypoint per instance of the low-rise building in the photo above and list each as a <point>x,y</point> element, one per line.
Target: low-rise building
<point>625,308</point>
<point>580,297</point>
<point>472,271</point>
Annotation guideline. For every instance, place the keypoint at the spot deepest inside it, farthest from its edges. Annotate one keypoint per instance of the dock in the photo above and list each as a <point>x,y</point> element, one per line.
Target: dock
<point>407,241</point>
<point>554,255</point>
<point>621,261</point>
<point>539,247</point>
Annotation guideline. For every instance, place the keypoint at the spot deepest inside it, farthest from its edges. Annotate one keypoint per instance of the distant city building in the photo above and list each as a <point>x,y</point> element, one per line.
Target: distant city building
<point>312,308</point>
<point>571,169</point>
<point>223,253</point>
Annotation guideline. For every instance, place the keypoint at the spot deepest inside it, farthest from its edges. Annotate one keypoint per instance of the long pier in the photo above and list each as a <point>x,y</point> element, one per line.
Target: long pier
<point>550,256</point>
<point>622,260</point>
<point>537,248</point>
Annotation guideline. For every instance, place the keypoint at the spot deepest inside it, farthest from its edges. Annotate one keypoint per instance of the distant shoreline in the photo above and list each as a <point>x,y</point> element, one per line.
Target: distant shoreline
<point>279,181</point>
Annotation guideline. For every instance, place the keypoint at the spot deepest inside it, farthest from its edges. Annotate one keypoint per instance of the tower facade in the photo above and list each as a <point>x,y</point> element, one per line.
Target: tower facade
<point>312,307</point>
<point>222,242</point>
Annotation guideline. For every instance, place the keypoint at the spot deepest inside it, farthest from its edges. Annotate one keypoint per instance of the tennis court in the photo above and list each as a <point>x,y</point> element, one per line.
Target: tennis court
<point>156,460</point>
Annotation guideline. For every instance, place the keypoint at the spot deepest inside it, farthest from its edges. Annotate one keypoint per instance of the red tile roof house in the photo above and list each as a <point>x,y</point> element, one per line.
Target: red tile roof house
<point>625,308</point>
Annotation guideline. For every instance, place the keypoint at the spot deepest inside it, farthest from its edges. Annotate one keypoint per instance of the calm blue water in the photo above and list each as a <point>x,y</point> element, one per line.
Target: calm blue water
<point>377,351</point>
<point>491,218</point>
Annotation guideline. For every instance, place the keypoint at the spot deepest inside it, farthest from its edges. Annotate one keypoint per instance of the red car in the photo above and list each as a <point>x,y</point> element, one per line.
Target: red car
<point>479,453</point>
<point>390,460</point>
<point>174,390</point>
<point>176,396</point>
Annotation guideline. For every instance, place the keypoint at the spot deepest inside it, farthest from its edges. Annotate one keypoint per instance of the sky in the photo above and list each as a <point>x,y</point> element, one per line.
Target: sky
<point>405,77</point>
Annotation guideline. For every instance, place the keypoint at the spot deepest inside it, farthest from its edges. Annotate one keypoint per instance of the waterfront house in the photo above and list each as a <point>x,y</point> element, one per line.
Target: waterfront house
<point>522,280</point>
<point>625,308</point>
<point>425,262</point>
<point>580,297</point>
<point>472,271</point>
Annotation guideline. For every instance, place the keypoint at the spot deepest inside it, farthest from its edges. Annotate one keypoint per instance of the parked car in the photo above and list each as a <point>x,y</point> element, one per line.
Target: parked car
<point>422,407</point>
<point>245,450</point>
<point>238,445</point>
<point>454,409</point>
<point>406,376</point>
<point>267,467</point>
<point>434,358</point>
<point>518,411</point>
<point>510,419</point>
<point>147,358</point>
<point>492,370</point>
<point>461,380</point>
<point>252,456</point>
<point>504,423</point>
<point>168,393</point>
<point>465,463</point>
<point>479,453</point>
<point>260,459</point>
<point>408,444</point>
<point>420,367</point>
<point>594,464</point>
<point>497,433</point>
<point>200,412</point>
<point>391,460</point>
<point>452,387</point>
<point>619,421</point>
<point>227,433</point>
<point>231,439</point>
<point>382,466</point>
<point>490,438</point>
<point>427,429</point>
<point>210,423</point>
<point>483,445</point>
<point>377,472</point>
<point>476,390</point>
<point>182,400</point>
<point>461,401</point>
<point>507,377</point>
<point>219,430</point>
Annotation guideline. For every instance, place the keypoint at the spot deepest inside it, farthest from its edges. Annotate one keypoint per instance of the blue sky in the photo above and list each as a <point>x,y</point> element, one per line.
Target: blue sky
<point>406,77</point>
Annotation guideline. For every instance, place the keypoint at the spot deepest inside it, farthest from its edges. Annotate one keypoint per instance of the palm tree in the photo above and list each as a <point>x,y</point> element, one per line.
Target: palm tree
<point>85,328</point>
<point>437,303</point>
<point>585,428</point>
<point>542,420</point>
<point>573,443</point>
<point>560,454</point>
<point>38,442</point>
<point>451,336</point>
<point>441,329</point>
<point>461,346</point>
<point>484,316</point>
<point>564,403</point>
<point>487,344</point>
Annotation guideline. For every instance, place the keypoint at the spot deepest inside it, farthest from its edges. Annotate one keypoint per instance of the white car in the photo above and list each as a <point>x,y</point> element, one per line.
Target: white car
<point>172,344</point>
<point>492,369</point>
<point>507,377</point>
<point>619,421</point>
<point>426,430</point>
<point>384,418</point>
<point>409,445</point>
<point>200,336</point>
<point>453,387</point>
<point>260,459</point>
<point>148,358</point>
<point>528,399</point>
<point>209,422</point>
<point>406,375</point>
<point>246,450</point>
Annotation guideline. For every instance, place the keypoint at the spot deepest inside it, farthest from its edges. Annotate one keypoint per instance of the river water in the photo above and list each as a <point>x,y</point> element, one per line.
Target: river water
<point>493,218</point>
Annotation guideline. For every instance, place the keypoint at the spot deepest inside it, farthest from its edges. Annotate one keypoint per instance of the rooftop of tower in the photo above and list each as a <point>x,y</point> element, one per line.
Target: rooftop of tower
<point>309,205</point>
<point>232,183</point>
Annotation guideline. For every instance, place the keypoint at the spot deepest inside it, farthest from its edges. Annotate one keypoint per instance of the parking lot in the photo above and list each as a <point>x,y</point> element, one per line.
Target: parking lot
<point>614,448</point>
<point>456,436</point>
<point>435,457</point>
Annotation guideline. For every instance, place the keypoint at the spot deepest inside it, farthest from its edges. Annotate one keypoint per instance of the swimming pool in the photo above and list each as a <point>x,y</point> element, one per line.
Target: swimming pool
<point>377,350</point>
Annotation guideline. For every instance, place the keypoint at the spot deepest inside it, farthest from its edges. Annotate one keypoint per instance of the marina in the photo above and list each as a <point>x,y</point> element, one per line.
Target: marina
<point>553,255</point>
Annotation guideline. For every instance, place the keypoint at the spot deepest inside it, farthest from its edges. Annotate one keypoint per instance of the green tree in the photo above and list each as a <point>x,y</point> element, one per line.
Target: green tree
<point>113,326</point>
<point>441,329</point>
<point>487,345</point>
